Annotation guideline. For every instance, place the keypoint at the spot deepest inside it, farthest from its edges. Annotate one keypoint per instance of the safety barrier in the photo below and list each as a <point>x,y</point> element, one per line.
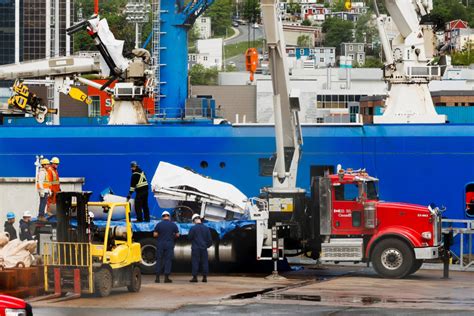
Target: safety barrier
<point>71,256</point>
<point>461,227</point>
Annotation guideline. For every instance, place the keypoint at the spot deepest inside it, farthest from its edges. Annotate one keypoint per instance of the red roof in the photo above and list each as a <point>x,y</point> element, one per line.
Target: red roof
<point>457,24</point>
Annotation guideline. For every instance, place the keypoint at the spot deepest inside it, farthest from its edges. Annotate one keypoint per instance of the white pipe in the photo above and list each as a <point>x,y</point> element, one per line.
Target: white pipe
<point>17,31</point>
<point>56,28</point>
<point>93,84</point>
<point>68,24</point>
<point>386,47</point>
<point>48,29</point>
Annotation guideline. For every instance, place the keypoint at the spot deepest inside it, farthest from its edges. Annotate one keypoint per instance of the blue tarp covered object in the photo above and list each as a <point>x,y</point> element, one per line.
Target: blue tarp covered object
<point>222,228</point>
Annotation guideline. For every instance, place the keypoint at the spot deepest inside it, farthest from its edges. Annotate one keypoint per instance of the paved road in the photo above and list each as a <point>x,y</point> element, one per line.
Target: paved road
<point>250,309</point>
<point>244,34</point>
<point>335,290</point>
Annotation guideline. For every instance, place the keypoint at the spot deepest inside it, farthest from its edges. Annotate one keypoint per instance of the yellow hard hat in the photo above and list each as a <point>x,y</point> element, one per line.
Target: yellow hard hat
<point>44,161</point>
<point>55,160</point>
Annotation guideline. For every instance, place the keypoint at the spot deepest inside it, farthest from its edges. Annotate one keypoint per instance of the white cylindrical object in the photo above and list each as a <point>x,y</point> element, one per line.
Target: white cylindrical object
<point>17,31</point>
<point>56,28</point>
<point>48,29</point>
<point>68,24</point>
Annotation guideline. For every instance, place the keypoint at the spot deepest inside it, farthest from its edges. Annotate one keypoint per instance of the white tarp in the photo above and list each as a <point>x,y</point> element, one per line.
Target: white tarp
<point>17,251</point>
<point>119,211</point>
<point>114,46</point>
<point>171,176</point>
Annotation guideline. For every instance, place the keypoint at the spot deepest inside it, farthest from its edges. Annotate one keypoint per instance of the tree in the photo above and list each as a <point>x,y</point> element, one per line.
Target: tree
<point>112,11</point>
<point>306,22</point>
<point>294,7</point>
<point>338,6</point>
<point>337,31</point>
<point>221,16</point>
<point>448,10</point>
<point>303,41</point>
<point>200,75</point>
<point>365,29</point>
<point>251,10</point>
<point>371,62</point>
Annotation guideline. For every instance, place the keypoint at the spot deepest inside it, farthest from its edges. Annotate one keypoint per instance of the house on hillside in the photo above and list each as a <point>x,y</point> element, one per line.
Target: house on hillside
<point>452,31</point>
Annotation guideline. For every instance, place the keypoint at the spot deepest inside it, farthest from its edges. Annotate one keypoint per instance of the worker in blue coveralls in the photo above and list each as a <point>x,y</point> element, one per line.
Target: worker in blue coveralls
<point>165,232</point>
<point>200,237</point>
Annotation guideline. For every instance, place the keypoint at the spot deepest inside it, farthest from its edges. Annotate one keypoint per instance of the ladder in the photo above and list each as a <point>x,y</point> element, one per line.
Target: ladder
<point>157,33</point>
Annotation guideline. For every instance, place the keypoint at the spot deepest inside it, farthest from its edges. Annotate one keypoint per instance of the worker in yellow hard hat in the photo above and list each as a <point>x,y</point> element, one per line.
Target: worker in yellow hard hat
<point>55,185</point>
<point>43,186</point>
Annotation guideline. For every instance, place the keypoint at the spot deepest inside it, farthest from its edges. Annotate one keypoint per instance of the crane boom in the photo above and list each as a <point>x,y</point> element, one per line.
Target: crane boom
<point>285,103</point>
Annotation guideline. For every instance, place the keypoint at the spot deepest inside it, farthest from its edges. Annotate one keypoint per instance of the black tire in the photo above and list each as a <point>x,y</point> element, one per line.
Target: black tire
<point>416,266</point>
<point>103,282</point>
<point>393,258</point>
<point>148,263</point>
<point>136,280</point>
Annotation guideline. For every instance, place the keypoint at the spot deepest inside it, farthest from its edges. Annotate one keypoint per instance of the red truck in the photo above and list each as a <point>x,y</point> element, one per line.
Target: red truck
<point>12,306</point>
<point>344,221</point>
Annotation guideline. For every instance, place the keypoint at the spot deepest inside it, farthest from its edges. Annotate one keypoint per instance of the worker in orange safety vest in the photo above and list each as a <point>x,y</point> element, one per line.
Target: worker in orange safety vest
<point>43,186</point>
<point>54,176</point>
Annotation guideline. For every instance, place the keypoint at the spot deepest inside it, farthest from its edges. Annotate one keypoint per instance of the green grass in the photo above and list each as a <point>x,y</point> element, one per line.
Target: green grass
<point>232,50</point>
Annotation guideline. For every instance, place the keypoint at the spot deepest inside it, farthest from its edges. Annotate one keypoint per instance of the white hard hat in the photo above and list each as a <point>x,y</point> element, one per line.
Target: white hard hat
<point>27,214</point>
<point>91,215</point>
<point>165,213</point>
<point>194,217</point>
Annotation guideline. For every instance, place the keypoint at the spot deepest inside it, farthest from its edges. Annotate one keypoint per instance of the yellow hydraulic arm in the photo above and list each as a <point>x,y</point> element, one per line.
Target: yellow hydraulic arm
<point>28,102</point>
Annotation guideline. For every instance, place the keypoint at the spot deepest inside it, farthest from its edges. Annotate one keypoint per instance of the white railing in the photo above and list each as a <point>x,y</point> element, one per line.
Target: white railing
<point>461,227</point>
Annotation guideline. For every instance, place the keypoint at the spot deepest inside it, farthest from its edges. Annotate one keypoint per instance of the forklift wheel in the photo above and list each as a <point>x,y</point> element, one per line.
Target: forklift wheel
<point>103,282</point>
<point>136,281</point>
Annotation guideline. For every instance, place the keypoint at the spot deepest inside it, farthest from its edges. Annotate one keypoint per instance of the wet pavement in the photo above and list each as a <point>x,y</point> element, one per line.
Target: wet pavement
<point>316,291</point>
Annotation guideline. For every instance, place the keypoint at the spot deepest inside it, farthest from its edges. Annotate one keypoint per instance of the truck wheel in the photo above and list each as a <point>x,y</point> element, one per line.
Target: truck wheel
<point>148,263</point>
<point>416,266</point>
<point>103,282</point>
<point>136,280</point>
<point>393,258</point>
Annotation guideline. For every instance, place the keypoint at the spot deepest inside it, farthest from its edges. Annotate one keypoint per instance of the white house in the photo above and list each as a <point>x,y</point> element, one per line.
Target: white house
<point>210,53</point>
<point>203,26</point>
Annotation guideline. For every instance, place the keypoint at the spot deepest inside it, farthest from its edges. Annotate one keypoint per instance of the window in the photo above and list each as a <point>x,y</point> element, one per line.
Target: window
<point>203,20</point>
<point>361,48</point>
<point>302,52</point>
<point>351,47</point>
<point>372,190</point>
<point>204,58</point>
<point>319,120</point>
<point>321,51</point>
<point>321,60</point>
<point>94,107</point>
<point>265,166</point>
<point>331,50</point>
<point>347,192</point>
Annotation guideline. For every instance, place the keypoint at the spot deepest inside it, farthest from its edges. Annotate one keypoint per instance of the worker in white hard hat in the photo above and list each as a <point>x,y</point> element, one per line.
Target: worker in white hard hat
<point>166,233</point>
<point>55,185</point>
<point>25,227</point>
<point>201,239</point>
<point>43,186</point>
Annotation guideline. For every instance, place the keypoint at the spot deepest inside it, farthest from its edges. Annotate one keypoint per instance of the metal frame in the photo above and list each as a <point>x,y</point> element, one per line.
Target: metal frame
<point>467,229</point>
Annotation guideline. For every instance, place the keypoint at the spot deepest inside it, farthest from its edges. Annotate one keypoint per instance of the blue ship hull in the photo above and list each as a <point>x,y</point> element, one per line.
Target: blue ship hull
<point>415,163</point>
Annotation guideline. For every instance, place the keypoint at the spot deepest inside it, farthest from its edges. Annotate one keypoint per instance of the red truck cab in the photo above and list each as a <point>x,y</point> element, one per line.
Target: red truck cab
<point>356,226</point>
<point>12,306</point>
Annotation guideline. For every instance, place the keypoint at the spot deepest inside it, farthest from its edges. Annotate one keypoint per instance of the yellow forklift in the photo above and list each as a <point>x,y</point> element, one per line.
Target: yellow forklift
<point>84,258</point>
